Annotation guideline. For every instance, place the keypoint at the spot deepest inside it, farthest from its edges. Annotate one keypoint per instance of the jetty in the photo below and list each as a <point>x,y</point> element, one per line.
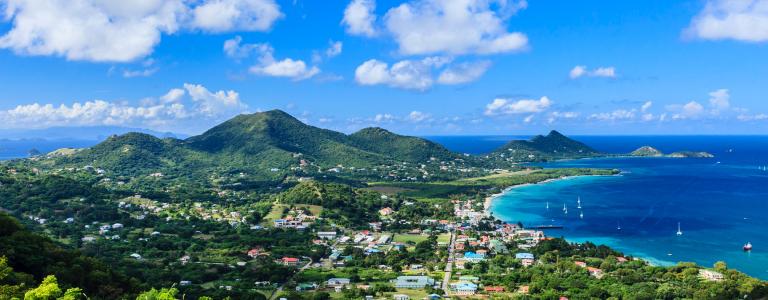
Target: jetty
<point>548,227</point>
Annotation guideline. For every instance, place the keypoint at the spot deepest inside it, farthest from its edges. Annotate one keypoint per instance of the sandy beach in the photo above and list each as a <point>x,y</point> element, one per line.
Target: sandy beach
<point>489,200</point>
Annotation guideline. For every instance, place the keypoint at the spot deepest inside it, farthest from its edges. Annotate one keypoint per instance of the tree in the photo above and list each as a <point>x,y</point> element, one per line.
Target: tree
<point>163,294</point>
<point>720,266</point>
<point>49,290</point>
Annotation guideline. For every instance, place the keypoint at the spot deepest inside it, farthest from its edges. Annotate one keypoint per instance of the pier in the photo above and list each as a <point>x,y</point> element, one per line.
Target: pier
<point>542,227</point>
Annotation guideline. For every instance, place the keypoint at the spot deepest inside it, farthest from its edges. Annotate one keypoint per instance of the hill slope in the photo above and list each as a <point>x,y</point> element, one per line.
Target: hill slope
<point>266,145</point>
<point>541,148</point>
<point>272,145</point>
<point>407,148</point>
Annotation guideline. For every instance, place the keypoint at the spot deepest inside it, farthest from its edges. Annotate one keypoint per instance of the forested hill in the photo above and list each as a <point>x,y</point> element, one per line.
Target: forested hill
<point>26,258</point>
<point>273,145</point>
<point>407,148</point>
<point>544,147</point>
<point>267,145</point>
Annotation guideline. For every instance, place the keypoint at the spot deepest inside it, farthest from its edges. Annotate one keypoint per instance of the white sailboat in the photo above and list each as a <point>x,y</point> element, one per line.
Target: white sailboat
<point>547,205</point>
<point>578,201</point>
<point>581,215</point>
<point>565,209</point>
<point>679,232</point>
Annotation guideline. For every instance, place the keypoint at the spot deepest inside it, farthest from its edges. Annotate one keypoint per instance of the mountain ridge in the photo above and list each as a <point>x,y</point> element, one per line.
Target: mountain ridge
<point>552,146</point>
<point>273,144</point>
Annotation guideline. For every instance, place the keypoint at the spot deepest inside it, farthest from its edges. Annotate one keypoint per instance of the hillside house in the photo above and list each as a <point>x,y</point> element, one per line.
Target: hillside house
<point>413,282</point>
<point>711,275</point>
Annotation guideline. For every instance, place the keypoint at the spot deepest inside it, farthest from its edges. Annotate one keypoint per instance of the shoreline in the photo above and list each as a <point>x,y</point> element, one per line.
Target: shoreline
<point>489,199</point>
<point>653,261</point>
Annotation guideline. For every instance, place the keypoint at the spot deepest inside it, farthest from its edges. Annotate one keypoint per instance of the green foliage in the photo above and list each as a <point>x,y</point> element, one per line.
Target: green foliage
<point>162,294</point>
<point>49,290</point>
<point>273,146</point>
<point>404,148</point>
<point>544,148</point>
<point>351,206</point>
<point>30,253</point>
<point>557,275</point>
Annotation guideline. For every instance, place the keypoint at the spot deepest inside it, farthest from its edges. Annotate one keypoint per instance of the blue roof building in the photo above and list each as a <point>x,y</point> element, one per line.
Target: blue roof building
<point>524,256</point>
<point>464,288</point>
<point>473,257</point>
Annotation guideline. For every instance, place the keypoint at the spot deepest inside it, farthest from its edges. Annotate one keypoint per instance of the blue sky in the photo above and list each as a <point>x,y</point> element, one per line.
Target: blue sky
<point>423,67</point>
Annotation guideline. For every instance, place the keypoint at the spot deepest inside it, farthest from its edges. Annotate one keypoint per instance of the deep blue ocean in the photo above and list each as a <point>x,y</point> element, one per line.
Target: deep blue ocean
<point>11,149</point>
<point>720,203</point>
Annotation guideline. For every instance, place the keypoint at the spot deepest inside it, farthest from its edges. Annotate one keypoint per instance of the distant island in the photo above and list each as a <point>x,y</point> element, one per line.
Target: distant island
<point>648,151</point>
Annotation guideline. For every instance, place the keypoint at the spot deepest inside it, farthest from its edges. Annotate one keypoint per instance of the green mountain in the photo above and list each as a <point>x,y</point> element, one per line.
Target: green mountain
<point>413,149</point>
<point>543,148</point>
<point>273,145</point>
<point>266,144</point>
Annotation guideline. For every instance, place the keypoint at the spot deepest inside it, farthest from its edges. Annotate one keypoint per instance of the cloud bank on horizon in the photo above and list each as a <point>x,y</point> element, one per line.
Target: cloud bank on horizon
<point>492,62</point>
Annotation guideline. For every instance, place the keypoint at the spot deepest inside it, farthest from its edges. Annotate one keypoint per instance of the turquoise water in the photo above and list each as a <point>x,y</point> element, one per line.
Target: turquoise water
<point>720,204</point>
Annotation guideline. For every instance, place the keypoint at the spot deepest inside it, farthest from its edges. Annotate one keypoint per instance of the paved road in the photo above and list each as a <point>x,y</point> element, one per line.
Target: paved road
<point>448,266</point>
<point>280,288</point>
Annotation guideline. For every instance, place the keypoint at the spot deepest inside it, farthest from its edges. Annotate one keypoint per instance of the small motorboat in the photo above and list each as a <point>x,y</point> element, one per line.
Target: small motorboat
<point>748,246</point>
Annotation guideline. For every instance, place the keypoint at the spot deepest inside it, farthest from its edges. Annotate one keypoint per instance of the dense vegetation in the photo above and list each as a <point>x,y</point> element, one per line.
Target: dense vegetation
<point>266,146</point>
<point>559,275</point>
<point>27,258</point>
<point>544,148</point>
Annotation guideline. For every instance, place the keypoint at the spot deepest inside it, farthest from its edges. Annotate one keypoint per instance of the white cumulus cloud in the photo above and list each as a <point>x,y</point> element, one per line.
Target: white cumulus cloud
<point>647,105</point>
<point>420,74</point>
<point>407,74</point>
<point>241,15</point>
<point>454,27</point>
<point>121,31</point>
<point>557,115</point>
<point>755,117</point>
<point>688,110</point>
<point>359,17</point>
<point>719,106</point>
<point>502,106</point>
<point>417,116</point>
<point>719,100</point>
<point>741,20</point>
<point>191,103</point>
<point>334,49</point>
<point>295,69</point>
<point>581,71</point>
<point>383,118</point>
<point>616,115</point>
<point>464,72</point>
<point>267,65</point>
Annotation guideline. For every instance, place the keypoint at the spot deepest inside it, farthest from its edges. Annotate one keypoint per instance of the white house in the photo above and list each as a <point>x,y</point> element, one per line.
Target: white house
<point>711,275</point>
<point>326,235</point>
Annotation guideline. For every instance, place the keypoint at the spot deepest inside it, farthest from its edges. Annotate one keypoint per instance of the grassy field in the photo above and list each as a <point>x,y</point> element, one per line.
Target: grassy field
<point>444,238</point>
<point>500,175</point>
<point>432,191</point>
<point>277,212</point>
<point>405,238</point>
<point>412,293</point>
